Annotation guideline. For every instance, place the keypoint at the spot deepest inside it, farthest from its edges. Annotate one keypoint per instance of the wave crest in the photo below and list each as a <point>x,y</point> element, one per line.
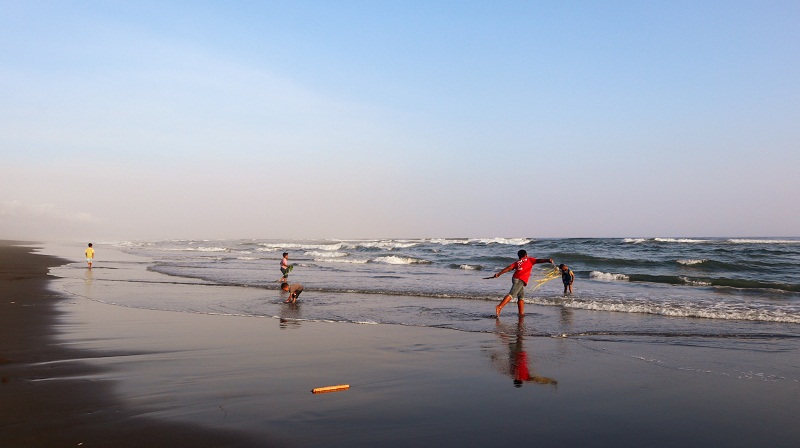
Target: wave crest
<point>758,241</point>
<point>393,259</point>
<point>691,262</point>
<point>607,276</point>
<point>507,241</point>
<point>325,254</point>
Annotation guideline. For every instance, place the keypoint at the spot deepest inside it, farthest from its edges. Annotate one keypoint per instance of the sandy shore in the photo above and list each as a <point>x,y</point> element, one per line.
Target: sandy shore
<point>51,395</point>
<point>77,371</point>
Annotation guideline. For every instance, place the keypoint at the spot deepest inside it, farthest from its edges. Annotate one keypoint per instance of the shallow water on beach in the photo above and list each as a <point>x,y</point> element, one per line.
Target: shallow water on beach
<point>742,279</point>
<point>722,291</point>
<point>222,349</point>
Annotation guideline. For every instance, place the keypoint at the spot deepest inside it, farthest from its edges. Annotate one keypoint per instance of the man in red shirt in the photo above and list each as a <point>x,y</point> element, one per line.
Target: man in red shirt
<point>522,272</point>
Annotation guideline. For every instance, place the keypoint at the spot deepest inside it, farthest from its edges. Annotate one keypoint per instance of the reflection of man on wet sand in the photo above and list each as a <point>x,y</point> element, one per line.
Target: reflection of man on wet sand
<point>518,363</point>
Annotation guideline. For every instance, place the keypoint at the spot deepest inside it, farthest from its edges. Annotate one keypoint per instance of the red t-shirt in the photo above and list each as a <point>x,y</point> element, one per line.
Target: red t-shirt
<point>523,268</point>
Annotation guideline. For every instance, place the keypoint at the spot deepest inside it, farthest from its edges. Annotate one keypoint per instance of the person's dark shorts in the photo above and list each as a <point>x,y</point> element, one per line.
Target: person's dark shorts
<point>517,289</point>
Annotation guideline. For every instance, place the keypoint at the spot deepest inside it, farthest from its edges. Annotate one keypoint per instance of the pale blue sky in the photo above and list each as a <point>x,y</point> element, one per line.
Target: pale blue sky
<point>362,119</point>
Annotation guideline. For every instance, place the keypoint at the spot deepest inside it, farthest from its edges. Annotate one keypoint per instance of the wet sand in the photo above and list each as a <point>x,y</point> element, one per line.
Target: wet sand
<point>77,371</point>
<point>52,395</point>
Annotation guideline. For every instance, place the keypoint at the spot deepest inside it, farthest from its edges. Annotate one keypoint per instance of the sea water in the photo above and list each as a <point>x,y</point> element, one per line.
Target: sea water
<point>624,287</point>
<point>719,317</point>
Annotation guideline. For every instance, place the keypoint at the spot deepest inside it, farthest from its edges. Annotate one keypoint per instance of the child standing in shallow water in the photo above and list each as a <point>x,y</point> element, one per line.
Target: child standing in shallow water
<point>285,268</point>
<point>567,277</point>
<point>89,255</point>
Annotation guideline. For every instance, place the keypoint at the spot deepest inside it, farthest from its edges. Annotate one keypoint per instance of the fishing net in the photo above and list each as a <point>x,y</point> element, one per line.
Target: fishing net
<point>540,276</point>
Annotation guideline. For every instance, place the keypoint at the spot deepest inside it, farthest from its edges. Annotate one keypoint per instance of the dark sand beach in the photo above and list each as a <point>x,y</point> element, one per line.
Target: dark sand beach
<point>51,395</point>
<point>78,372</point>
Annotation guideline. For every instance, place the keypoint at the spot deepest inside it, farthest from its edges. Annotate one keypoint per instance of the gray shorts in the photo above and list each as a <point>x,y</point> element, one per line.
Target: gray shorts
<point>517,289</point>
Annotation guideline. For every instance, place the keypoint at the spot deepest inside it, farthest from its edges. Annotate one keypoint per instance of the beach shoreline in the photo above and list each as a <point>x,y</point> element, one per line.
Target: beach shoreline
<point>81,371</point>
<point>49,395</point>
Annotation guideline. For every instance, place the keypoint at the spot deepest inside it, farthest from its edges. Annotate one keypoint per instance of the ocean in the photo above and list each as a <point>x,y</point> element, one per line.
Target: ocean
<point>673,288</point>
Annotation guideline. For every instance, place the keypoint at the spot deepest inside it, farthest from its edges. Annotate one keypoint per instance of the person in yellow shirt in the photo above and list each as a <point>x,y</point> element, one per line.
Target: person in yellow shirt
<point>89,255</point>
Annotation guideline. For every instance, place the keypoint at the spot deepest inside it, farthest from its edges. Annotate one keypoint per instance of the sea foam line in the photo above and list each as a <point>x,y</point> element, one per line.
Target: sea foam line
<point>680,240</point>
<point>393,259</point>
<point>722,312</point>
<point>691,262</point>
<point>756,241</point>
<point>326,254</point>
<point>607,276</point>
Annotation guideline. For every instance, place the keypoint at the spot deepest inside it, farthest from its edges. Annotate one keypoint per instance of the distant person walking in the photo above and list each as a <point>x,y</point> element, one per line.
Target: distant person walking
<point>89,255</point>
<point>294,291</point>
<point>522,272</point>
<point>567,277</point>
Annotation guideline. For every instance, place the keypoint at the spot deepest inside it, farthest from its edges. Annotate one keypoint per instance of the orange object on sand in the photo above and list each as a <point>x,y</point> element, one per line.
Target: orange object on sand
<point>322,390</point>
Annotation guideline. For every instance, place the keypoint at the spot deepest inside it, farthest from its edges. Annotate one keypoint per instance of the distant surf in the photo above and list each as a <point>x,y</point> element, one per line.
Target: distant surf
<point>749,279</point>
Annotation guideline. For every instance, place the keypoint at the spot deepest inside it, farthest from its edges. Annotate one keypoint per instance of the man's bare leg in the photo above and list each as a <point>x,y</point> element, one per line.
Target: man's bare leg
<point>498,308</point>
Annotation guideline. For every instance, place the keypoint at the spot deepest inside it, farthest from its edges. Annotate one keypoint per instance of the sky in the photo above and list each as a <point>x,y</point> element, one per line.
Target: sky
<point>130,120</point>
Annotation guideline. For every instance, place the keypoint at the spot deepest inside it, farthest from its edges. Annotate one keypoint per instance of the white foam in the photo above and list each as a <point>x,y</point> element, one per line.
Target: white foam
<point>608,276</point>
<point>210,249</point>
<point>634,240</point>
<point>447,242</point>
<point>721,311</point>
<point>691,282</point>
<point>341,260</point>
<point>190,249</point>
<point>392,259</point>
<point>381,244</point>
<point>691,262</point>
<point>755,241</point>
<point>271,247</point>
<point>469,267</point>
<point>679,240</point>
<point>326,254</point>
<point>508,241</point>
